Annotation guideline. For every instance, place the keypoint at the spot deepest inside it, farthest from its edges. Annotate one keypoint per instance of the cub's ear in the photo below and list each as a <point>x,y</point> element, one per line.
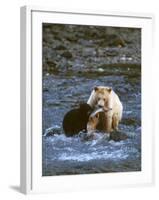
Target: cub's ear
<point>109,90</point>
<point>95,88</point>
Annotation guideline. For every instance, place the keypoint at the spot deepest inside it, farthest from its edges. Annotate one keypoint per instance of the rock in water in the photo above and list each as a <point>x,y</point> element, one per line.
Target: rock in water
<point>52,131</point>
<point>118,136</point>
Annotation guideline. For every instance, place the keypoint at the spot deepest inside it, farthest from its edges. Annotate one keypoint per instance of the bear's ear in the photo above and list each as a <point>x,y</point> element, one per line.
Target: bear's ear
<point>109,90</point>
<point>95,88</point>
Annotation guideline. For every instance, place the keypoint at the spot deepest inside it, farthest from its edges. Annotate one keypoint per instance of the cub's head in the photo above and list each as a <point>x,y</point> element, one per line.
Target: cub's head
<point>101,96</point>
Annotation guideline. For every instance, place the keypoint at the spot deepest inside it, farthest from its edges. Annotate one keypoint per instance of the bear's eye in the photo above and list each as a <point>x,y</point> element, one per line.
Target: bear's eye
<point>104,99</point>
<point>98,99</point>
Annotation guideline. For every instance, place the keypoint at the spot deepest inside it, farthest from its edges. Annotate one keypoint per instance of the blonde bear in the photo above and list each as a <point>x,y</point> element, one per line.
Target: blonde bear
<point>106,98</point>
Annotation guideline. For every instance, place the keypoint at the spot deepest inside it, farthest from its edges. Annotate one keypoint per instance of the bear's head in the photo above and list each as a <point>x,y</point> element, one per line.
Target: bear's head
<point>100,97</point>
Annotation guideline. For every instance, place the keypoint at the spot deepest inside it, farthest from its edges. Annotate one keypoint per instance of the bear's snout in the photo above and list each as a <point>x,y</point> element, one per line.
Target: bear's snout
<point>100,104</point>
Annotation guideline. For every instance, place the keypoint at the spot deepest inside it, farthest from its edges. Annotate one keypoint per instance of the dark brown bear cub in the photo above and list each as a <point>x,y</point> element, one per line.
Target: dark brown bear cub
<point>76,119</point>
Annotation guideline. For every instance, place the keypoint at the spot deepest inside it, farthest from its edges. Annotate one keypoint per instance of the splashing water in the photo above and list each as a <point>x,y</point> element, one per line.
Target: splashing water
<point>77,153</point>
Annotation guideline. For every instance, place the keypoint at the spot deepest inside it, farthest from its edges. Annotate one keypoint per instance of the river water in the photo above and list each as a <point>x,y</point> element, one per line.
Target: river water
<point>64,88</point>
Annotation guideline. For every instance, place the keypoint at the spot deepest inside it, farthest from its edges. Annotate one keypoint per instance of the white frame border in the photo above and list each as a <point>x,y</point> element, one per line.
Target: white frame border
<point>26,103</point>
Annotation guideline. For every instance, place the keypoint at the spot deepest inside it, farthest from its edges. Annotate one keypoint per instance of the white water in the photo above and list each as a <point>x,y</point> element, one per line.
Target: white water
<point>62,148</point>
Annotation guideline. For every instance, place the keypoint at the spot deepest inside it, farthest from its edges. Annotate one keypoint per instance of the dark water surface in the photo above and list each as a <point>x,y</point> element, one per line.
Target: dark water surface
<point>64,88</point>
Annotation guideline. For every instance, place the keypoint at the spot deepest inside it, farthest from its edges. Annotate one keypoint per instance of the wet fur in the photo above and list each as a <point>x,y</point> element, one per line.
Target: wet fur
<point>76,119</point>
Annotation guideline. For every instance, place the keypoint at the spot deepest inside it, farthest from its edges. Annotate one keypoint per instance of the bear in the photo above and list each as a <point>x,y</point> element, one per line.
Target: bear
<point>76,119</point>
<point>104,97</point>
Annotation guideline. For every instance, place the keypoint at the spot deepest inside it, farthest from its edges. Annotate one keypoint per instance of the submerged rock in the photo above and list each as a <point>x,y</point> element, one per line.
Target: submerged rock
<point>52,131</point>
<point>87,137</point>
<point>118,136</point>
